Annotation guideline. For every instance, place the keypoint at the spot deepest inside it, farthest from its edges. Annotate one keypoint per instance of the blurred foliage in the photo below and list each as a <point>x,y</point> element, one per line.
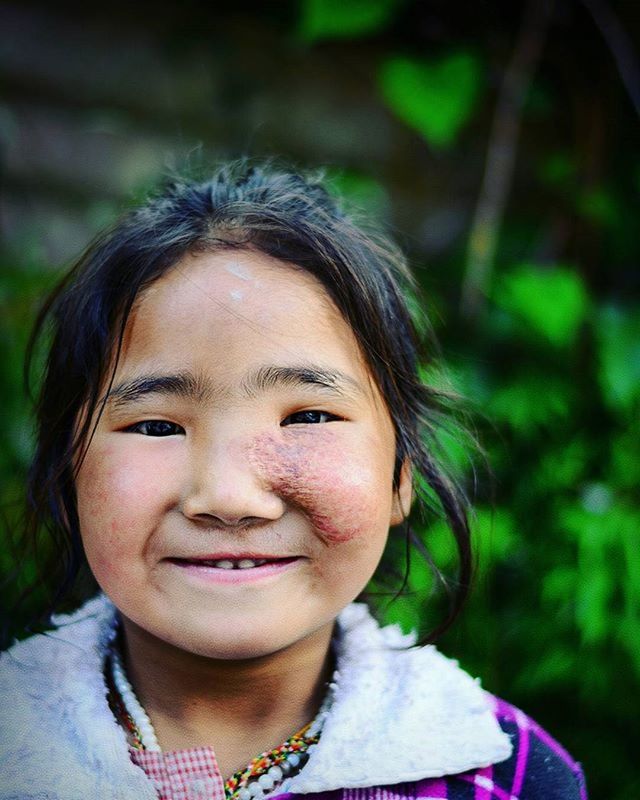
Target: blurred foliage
<point>551,303</point>
<point>550,370</point>
<point>320,19</point>
<point>435,98</point>
<point>358,192</point>
<point>618,339</point>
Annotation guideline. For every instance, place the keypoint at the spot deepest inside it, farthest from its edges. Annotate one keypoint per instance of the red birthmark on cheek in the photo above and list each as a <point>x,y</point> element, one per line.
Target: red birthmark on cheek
<point>315,472</point>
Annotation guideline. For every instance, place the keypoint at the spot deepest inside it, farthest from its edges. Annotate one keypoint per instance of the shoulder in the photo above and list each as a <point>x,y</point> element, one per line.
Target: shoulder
<point>428,716</point>
<point>76,641</point>
<point>539,767</point>
<point>451,730</point>
<point>57,728</point>
<point>49,675</point>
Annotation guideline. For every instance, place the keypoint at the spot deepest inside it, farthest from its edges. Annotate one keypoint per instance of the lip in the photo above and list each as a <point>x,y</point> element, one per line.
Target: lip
<point>227,554</point>
<point>190,568</point>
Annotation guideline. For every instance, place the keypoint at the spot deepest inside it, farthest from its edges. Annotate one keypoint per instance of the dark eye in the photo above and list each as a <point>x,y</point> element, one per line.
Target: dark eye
<point>308,418</point>
<point>156,427</point>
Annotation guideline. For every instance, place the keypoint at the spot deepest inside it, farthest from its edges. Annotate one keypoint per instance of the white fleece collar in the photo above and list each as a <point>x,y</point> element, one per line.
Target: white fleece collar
<point>400,713</point>
<point>385,687</point>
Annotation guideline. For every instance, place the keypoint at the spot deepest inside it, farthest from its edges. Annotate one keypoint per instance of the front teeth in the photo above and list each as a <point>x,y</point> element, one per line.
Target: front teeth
<point>247,563</point>
<point>243,563</point>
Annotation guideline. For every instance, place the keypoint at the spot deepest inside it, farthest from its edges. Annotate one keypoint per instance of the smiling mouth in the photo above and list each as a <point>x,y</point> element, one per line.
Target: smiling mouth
<point>240,563</point>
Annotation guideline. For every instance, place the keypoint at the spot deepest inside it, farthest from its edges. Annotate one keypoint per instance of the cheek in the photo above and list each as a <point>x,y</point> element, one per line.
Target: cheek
<point>118,496</point>
<point>333,482</point>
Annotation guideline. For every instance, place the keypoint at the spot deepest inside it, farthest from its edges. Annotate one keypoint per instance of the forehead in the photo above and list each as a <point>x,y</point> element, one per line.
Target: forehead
<point>228,311</point>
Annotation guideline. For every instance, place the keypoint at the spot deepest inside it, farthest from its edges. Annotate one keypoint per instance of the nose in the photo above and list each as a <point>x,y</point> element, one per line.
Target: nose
<point>224,488</point>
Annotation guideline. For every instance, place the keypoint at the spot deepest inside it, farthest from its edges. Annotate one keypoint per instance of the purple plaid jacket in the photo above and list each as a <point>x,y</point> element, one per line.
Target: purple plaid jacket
<point>538,769</point>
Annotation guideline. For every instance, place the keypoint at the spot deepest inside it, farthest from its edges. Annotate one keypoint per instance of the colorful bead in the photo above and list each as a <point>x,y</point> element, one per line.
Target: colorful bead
<point>261,775</point>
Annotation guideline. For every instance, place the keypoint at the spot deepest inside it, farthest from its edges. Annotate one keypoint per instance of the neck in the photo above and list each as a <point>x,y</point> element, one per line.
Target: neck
<point>239,708</point>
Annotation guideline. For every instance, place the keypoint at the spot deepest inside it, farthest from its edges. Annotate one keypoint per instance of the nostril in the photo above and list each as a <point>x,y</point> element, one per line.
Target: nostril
<point>216,520</point>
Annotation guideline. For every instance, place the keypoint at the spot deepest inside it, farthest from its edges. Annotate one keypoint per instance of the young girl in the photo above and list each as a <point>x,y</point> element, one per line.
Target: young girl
<point>230,422</point>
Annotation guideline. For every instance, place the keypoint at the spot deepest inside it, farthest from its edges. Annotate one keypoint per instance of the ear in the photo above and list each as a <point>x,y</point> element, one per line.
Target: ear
<point>403,496</point>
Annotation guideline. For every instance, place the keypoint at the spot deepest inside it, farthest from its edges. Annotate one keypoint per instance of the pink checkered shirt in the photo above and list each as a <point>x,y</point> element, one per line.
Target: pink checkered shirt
<point>182,774</point>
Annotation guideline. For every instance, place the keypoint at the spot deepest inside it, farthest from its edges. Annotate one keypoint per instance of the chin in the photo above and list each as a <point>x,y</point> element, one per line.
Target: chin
<point>226,640</point>
<point>232,648</point>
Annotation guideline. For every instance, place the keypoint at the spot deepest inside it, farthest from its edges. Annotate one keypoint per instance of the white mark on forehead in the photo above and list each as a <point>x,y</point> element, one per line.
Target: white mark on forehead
<point>236,295</point>
<point>240,271</point>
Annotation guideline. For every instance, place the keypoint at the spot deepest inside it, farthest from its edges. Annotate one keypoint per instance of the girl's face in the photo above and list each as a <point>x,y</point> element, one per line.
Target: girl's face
<point>237,493</point>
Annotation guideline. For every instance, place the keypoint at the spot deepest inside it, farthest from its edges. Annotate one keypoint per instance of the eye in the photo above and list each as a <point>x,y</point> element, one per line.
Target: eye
<point>156,427</point>
<point>311,417</point>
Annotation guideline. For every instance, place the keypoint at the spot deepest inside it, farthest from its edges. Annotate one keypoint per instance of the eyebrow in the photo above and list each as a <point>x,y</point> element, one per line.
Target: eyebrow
<point>268,377</point>
<point>187,385</point>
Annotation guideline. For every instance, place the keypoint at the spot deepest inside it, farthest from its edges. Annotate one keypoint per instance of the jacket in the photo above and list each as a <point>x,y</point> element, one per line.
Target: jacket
<point>406,722</point>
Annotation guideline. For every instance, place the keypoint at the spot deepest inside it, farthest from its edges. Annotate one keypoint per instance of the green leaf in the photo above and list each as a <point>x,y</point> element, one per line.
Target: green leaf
<point>405,612</point>
<point>359,192</point>
<point>563,466</point>
<point>455,450</point>
<point>607,592</point>
<point>618,336</point>
<point>531,401</point>
<point>595,585</point>
<point>549,669</point>
<point>333,19</point>
<point>466,380</point>
<point>452,445</point>
<point>439,542</point>
<point>551,302</point>
<point>625,464</point>
<point>593,597</point>
<point>435,98</point>
<point>494,536</point>
<point>558,586</point>
<point>629,630</point>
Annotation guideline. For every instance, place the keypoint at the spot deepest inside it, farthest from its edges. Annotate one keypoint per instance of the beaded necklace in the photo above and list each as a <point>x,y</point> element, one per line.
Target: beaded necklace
<point>263,773</point>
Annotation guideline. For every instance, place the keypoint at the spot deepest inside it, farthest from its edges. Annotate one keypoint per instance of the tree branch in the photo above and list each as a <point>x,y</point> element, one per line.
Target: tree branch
<point>620,46</point>
<point>501,153</point>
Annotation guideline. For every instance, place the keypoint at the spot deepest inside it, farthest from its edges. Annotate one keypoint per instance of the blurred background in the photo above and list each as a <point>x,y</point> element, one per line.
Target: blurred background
<point>498,141</point>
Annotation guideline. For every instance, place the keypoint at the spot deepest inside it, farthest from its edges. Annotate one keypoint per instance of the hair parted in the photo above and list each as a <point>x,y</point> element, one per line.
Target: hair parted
<point>285,215</point>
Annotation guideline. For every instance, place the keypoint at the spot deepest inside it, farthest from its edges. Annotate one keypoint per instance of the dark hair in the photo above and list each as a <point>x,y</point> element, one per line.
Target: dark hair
<point>286,216</point>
